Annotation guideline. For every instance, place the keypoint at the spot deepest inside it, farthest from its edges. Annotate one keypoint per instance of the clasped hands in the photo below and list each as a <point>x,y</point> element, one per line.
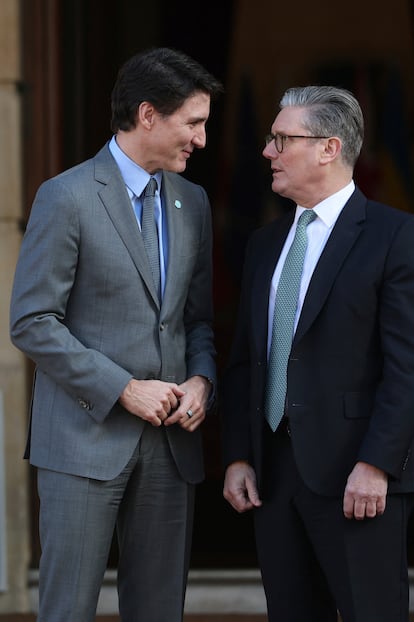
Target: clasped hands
<point>166,403</point>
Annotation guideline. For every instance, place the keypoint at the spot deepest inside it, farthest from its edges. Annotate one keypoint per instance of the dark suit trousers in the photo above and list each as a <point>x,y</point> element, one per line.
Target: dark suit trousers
<point>150,506</point>
<point>314,561</point>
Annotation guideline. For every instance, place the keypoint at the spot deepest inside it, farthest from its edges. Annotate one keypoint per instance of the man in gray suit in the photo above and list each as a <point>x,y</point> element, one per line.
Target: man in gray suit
<point>124,358</point>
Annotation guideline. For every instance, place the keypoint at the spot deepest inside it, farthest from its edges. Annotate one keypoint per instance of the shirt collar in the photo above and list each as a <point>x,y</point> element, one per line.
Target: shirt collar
<point>134,176</point>
<point>329,209</point>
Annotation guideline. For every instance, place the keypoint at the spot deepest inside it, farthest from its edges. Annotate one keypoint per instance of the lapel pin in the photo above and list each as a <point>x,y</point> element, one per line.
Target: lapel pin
<point>177,204</point>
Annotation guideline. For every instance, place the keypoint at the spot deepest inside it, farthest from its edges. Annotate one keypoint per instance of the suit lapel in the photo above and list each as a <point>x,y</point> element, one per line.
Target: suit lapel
<point>116,201</point>
<point>265,267</point>
<point>344,235</point>
<point>176,208</point>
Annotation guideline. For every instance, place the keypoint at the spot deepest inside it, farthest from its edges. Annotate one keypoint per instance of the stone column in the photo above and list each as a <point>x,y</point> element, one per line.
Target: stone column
<point>14,502</point>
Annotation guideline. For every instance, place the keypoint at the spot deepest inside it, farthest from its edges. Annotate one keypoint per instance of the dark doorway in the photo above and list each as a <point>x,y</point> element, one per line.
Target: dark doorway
<point>71,60</point>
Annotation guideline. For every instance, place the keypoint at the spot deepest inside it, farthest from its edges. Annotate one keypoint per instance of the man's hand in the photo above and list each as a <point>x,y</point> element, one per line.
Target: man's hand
<point>365,492</point>
<point>240,488</point>
<point>191,410</point>
<point>151,400</point>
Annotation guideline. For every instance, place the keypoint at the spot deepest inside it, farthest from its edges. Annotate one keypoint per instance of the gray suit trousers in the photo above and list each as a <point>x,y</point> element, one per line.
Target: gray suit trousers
<point>152,509</point>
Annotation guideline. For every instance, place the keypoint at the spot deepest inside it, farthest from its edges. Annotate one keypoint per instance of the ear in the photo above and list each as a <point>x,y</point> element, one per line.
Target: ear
<point>331,149</point>
<point>146,115</point>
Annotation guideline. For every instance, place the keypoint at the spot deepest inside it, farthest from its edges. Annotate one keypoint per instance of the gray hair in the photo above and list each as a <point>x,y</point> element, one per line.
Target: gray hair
<point>331,111</point>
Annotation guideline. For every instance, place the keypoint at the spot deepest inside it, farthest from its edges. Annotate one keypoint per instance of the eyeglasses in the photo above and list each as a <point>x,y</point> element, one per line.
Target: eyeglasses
<point>280,139</point>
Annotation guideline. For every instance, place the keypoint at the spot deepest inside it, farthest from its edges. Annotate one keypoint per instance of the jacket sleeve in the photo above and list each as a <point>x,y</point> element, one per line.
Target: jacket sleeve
<point>44,279</point>
<point>391,430</point>
<point>198,314</point>
<point>236,390</point>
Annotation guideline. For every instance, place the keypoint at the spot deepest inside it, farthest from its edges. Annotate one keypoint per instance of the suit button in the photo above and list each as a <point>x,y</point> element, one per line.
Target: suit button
<point>162,326</point>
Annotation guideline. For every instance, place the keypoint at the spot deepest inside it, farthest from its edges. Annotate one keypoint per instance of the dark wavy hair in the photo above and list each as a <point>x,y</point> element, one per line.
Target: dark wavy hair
<point>162,76</point>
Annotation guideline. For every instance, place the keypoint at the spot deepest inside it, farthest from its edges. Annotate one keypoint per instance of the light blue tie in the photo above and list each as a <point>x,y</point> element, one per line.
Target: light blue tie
<point>149,232</point>
<point>284,321</point>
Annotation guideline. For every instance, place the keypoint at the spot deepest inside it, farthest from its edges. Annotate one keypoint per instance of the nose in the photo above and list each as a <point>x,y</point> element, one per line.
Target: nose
<point>270,152</point>
<point>200,138</point>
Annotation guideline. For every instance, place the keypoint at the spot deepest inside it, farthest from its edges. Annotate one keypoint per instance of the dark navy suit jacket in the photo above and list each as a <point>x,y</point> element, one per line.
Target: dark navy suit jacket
<point>350,385</point>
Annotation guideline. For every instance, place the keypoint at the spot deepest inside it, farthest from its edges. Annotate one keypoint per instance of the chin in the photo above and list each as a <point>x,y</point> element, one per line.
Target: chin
<point>175,166</point>
<point>180,168</point>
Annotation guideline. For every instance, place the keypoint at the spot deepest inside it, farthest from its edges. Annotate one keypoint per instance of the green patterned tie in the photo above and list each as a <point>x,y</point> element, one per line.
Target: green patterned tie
<point>284,321</point>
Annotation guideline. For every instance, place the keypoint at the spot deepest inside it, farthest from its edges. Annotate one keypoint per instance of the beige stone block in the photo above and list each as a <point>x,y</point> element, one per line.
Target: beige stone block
<point>9,40</point>
<point>10,239</point>
<point>10,153</point>
<point>15,598</point>
<point>13,391</point>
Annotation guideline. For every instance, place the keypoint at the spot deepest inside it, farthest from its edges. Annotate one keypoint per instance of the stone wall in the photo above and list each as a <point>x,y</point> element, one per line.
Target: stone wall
<point>14,503</point>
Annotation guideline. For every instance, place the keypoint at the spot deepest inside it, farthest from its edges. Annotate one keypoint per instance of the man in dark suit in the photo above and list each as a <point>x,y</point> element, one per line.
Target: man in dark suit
<point>123,348</point>
<point>332,486</point>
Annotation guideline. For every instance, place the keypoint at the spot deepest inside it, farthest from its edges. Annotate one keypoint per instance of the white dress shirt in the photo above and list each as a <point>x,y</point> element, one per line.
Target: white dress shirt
<point>319,230</point>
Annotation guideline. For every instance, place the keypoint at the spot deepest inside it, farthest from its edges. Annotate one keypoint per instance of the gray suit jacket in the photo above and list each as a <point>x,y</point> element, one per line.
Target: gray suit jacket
<point>84,310</point>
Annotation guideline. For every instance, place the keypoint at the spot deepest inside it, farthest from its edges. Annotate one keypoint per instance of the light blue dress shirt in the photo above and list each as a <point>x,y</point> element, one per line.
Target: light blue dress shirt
<point>136,178</point>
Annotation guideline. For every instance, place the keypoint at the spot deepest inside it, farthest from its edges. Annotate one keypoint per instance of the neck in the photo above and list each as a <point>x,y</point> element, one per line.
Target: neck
<point>323,191</point>
<point>127,141</point>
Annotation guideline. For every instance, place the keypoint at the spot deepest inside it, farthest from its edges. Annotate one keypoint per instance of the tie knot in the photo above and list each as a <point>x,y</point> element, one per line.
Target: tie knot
<point>150,188</point>
<point>306,217</point>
